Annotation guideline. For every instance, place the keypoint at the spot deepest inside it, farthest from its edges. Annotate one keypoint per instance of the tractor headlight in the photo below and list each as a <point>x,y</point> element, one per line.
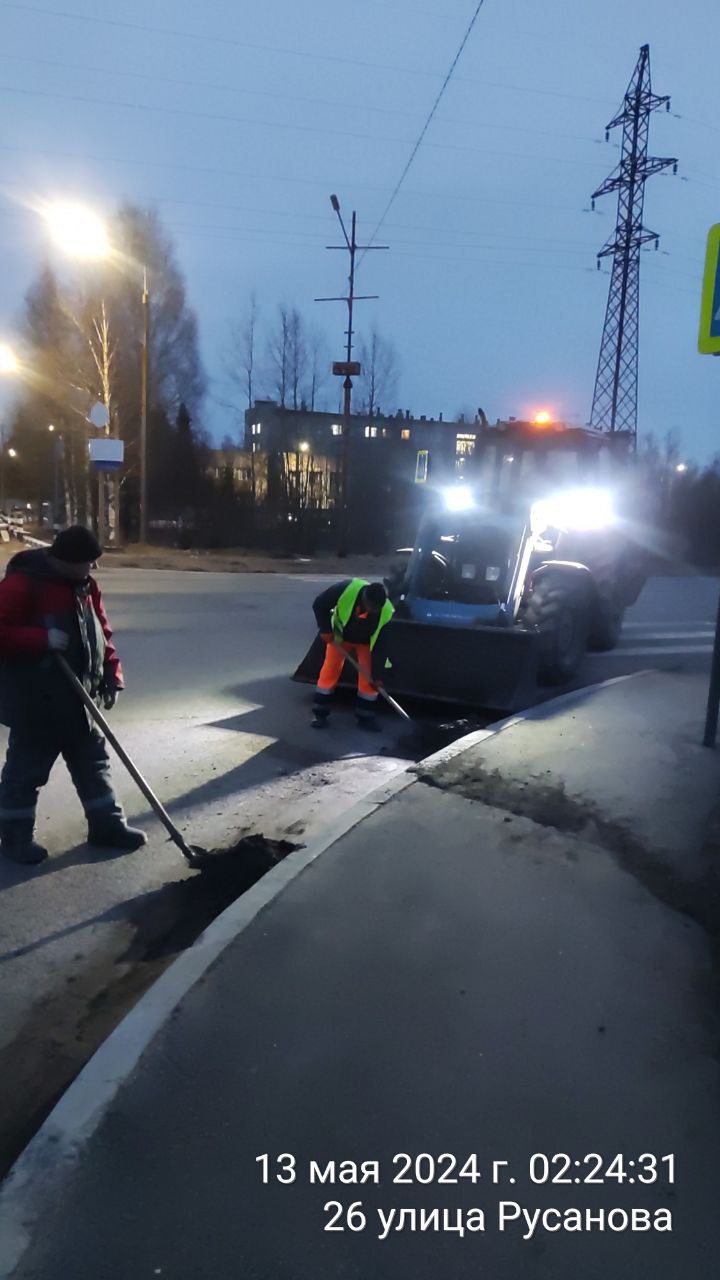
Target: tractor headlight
<point>584,510</point>
<point>458,497</point>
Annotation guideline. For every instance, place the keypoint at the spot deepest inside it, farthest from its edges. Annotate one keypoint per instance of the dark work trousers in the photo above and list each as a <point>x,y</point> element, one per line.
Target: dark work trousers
<point>32,754</point>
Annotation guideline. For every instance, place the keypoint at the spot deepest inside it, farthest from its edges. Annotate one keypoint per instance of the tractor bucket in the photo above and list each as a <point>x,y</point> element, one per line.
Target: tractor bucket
<point>493,668</point>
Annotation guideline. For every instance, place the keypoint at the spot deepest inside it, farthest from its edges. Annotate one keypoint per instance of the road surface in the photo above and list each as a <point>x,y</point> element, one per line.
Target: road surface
<point>224,737</point>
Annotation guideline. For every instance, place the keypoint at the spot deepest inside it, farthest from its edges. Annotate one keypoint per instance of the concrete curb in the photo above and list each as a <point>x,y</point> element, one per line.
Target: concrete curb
<point>33,1179</point>
<point>538,712</point>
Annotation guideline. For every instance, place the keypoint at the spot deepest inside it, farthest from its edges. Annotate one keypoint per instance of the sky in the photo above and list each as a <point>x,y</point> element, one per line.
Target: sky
<point>236,121</point>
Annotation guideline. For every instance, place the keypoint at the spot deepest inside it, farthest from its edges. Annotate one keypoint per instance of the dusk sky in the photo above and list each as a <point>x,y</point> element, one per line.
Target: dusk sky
<point>236,121</point>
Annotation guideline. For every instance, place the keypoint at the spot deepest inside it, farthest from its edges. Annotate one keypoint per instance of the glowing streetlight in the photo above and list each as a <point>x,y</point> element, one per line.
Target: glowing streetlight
<point>542,419</point>
<point>77,230</point>
<point>304,446</point>
<point>9,362</point>
<point>681,467</point>
<point>12,453</point>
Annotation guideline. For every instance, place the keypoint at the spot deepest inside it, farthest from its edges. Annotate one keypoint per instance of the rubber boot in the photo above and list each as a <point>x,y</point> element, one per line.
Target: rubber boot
<point>365,715</point>
<point>369,724</point>
<point>111,831</point>
<point>17,844</point>
<point>321,711</point>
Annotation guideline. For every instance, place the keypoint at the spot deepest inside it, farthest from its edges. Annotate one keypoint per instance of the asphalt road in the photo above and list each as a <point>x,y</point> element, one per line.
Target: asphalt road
<point>224,737</point>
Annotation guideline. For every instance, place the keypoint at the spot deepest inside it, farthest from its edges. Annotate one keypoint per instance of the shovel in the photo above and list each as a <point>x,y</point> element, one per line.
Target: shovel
<point>193,854</point>
<point>378,687</point>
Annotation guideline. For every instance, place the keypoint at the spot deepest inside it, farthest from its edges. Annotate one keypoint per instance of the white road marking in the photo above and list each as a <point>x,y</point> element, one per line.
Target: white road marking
<point>674,635</point>
<point>648,651</point>
<point>656,622</point>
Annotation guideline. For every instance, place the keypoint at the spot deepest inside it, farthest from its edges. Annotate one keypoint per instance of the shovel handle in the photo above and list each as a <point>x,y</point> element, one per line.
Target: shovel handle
<point>132,769</point>
<point>377,687</point>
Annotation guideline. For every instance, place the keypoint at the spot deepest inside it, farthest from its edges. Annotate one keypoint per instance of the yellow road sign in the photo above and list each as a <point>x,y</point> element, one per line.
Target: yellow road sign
<point>709,341</point>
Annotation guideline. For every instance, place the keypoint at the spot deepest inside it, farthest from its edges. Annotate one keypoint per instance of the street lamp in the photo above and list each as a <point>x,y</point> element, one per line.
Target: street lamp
<point>9,362</point>
<point>79,232</point>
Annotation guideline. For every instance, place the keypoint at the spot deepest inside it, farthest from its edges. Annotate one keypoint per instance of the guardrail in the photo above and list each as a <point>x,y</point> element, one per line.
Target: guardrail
<point>15,530</point>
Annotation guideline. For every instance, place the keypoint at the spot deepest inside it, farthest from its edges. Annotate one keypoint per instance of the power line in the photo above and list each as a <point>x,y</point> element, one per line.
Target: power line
<point>427,124</point>
<point>114,103</point>
<point>294,215</point>
<point>179,82</point>
<point>305,54</point>
<point>274,124</point>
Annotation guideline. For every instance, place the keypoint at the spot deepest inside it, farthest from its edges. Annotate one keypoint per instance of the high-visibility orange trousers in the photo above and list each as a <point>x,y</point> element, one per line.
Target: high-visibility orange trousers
<point>334,663</point>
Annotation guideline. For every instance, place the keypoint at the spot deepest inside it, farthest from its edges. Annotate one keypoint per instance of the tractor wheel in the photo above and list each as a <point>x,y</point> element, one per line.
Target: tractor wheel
<point>560,612</point>
<point>605,627</point>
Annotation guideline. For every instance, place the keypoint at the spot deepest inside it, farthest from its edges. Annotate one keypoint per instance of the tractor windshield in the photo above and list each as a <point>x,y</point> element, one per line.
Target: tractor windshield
<point>468,561</point>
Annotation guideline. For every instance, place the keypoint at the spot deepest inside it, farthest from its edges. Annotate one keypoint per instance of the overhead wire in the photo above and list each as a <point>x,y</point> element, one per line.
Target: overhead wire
<point>106,103</point>
<point>305,54</point>
<point>423,131</point>
<point>179,82</point>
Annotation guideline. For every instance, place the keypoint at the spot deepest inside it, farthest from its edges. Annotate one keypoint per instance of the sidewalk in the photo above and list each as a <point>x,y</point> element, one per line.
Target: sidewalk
<point>513,955</point>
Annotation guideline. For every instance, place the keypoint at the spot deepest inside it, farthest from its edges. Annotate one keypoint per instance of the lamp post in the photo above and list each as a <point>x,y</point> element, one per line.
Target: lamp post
<point>11,453</point>
<point>58,452</point>
<point>144,408</point>
<point>9,365</point>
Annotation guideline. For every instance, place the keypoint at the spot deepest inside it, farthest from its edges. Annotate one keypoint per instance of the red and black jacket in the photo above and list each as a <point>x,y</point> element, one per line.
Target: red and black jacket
<point>34,598</point>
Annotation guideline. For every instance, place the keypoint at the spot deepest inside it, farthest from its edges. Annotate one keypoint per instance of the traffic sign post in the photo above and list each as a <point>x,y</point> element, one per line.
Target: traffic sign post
<point>106,454</point>
<point>709,345</point>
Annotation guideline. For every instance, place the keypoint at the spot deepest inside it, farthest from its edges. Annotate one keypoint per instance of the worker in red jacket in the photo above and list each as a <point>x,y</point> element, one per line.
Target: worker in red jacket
<point>49,604</point>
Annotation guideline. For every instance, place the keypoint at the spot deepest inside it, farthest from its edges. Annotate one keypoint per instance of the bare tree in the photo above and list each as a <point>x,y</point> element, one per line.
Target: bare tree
<point>379,376</point>
<point>279,355</point>
<point>240,359</point>
<point>240,366</point>
<point>318,363</point>
<point>297,355</point>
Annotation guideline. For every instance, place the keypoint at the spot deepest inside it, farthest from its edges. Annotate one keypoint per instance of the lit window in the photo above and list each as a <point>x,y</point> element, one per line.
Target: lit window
<point>405,433</point>
<point>256,428</point>
<point>336,429</point>
<point>385,432</point>
<point>464,445</point>
<point>371,433</point>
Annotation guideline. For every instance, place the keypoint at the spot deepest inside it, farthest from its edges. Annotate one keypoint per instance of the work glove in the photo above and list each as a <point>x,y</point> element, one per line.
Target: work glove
<point>109,697</point>
<point>58,640</point>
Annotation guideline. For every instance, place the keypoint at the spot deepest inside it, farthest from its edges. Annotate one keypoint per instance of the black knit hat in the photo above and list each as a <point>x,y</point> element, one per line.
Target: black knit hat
<point>76,545</point>
<point>375,594</point>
